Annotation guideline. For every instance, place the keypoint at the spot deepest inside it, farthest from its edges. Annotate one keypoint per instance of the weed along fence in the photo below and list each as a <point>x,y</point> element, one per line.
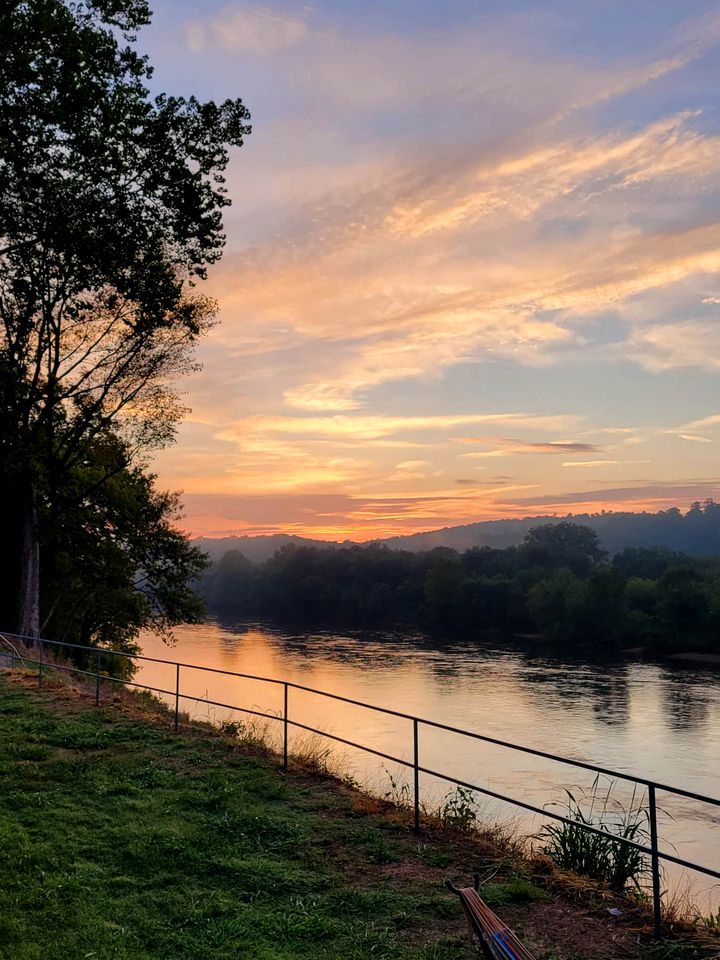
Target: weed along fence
<point>96,665</point>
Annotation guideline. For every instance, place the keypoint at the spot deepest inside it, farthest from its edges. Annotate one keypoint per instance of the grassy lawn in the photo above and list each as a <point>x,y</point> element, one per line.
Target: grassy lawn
<point>122,840</point>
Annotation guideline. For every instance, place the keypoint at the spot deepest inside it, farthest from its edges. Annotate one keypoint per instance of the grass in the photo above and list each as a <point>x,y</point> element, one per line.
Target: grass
<point>613,863</point>
<point>120,840</point>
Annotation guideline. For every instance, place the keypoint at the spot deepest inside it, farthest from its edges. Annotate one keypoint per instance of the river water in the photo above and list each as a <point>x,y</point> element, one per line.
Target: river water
<point>655,720</point>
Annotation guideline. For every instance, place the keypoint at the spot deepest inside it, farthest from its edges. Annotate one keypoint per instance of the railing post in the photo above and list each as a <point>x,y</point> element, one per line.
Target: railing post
<point>655,860</point>
<point>416,773</point>
<point>177,696</point>
<point>97,679</point>
<point>285,726</point>
<point>40,664</point>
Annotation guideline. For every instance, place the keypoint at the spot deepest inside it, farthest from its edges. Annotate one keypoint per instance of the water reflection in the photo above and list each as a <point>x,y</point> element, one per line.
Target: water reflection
<point>688,708</point>
<point>648,719</point>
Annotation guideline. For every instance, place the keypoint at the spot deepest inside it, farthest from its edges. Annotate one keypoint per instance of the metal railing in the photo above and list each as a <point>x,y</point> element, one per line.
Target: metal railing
<point>652,786</point>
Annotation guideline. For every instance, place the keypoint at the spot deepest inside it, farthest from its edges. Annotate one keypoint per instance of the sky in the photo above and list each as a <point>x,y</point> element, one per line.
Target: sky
<point>472,267</point>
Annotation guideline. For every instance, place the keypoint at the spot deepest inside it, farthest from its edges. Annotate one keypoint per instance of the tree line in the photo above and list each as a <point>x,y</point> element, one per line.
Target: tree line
<point>559,584</point>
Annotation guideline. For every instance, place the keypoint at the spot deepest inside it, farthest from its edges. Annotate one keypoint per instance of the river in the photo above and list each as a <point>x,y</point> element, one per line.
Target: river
<point>658,720</point>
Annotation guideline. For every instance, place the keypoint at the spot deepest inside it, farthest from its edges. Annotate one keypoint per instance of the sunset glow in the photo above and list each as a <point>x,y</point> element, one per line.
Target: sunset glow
<point>472,263</point>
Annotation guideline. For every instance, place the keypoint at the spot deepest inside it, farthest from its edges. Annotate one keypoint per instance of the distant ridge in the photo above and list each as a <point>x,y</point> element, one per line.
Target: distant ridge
<point>256,549</point>
<point>484,533</point>
<point>696,532</point>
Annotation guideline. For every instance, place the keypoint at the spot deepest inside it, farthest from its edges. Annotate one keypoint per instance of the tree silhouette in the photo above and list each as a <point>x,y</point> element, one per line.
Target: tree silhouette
<point>564,544</point>
<point>110,210</point>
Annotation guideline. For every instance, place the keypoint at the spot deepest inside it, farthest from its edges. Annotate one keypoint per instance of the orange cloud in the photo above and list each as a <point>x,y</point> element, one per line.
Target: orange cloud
<point>506,446</point>
<point>339,516</point>
<point>416,290</point>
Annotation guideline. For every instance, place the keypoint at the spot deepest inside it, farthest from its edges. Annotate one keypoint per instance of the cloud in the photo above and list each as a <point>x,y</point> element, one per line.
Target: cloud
<point>332,516</point>
<point>508,445</point>
<point>414,464</point>
<point>652,496</point>
<point>338,515</point>
<point>482,61</point>
<point>713,420</point>
<point>692,343</point>
<point>691,42</point>
<point>406,278</point>
<point>359,428</point>
<point>521,186</point>
<point>413,470</point>
<point>283,454</point>
<point>261,31</point>
<point>601,463</point>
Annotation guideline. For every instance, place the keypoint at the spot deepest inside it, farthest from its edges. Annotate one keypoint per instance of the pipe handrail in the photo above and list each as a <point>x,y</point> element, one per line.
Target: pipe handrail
<point>426,721</point>
<point>653,851</point>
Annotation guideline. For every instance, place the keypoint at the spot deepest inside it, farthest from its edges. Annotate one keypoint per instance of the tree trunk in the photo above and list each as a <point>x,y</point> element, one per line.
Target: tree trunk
<point>29,599</point>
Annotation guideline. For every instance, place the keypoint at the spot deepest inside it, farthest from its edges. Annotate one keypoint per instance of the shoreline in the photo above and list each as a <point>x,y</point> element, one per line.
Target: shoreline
<point>533,644</point>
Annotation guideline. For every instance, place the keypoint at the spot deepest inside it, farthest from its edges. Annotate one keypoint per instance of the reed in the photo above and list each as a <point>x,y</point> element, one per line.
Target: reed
<point>604,858</point>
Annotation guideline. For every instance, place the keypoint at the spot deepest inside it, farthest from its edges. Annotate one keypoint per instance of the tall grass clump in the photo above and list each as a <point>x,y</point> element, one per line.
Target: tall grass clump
<point>312,752</point>
<point>254,733</point>
<point>398,792</point>
<point>605,858</point>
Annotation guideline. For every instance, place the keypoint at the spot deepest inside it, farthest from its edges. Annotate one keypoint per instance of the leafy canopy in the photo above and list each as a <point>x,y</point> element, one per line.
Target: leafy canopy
<point>110,210</point>
<point>111,205</point>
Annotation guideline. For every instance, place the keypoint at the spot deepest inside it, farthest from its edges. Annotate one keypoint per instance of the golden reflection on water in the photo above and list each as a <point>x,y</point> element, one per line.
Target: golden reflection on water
<point>643,718</point>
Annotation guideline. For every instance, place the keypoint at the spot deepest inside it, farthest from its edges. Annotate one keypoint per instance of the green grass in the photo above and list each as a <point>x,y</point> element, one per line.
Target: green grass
<point>601,857</point>
<point>120,840</point>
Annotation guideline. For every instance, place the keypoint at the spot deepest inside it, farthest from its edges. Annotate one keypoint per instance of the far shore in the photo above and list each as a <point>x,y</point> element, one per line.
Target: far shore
<point>697,657</point>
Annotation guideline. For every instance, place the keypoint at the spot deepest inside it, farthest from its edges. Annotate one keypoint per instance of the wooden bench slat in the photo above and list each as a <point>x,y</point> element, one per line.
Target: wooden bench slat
<point>494,937</point>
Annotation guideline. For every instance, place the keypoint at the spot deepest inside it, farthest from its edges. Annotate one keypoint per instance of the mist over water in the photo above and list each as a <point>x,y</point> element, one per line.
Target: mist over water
<point>658,720</point>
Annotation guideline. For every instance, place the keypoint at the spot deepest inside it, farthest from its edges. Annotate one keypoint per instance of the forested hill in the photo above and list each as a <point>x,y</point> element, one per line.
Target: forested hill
<point>696,533</point>
<point>256,549</point>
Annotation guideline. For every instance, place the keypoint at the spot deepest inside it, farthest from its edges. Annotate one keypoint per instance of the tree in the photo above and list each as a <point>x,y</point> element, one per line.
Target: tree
<point>113,563</point>
<point>641,598</point>
<point>564,544</point>
<point>110,211</point>
<point>231,584</point>
<point>604,609</point>
<point>495,603</point>
<point>646,562</point>
<point>641,594</point>
<point>556,604</point>
<point>442,585</point>
<point>682,604</point>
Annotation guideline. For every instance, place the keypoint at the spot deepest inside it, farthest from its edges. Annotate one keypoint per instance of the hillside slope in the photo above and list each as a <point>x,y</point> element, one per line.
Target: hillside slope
<point>696,532</point>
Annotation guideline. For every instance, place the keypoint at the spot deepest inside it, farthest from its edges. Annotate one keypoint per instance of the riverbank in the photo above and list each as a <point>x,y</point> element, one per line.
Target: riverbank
<point>124,840</point>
